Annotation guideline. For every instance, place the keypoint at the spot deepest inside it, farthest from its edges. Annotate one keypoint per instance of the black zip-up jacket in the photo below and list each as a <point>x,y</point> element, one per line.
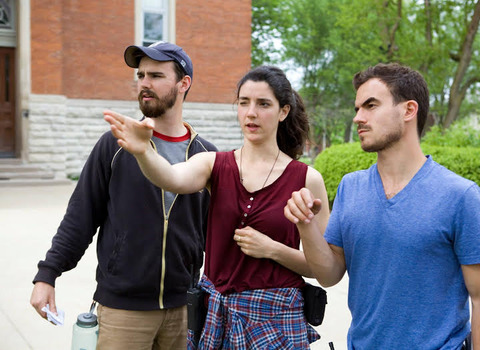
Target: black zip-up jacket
<point>145,256</point>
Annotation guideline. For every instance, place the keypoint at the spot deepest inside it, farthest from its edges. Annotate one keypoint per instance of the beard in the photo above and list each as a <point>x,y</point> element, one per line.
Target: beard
<point>159,105</point>
<point>385,142</point>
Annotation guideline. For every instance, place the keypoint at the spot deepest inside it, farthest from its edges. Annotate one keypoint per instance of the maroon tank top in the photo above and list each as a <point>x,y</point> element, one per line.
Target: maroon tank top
<point>232,207</point>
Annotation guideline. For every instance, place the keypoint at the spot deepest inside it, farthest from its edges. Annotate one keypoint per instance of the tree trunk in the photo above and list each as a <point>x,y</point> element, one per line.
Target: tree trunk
<point>428,34</point>
<point>390,30</point>
<point>457,91</point>
<point>347,134</point>
<point>392,47</point>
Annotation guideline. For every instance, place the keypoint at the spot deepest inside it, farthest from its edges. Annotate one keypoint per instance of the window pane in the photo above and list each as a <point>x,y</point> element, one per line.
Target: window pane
<point>5,15</point>
<point>153,26</point>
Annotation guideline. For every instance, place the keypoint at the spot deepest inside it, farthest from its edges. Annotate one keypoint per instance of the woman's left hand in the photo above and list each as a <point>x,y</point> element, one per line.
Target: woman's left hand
<point>254,243</point>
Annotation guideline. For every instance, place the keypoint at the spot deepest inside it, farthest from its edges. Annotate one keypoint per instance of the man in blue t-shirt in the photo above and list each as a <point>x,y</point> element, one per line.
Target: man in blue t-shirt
<point>407,229</point>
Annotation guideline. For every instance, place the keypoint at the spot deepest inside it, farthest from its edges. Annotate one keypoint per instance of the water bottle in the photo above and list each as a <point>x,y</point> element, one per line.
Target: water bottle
<point>85,331</point>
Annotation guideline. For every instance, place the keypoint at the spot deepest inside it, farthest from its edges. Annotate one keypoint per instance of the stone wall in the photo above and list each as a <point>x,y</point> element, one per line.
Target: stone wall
<point>63,131</point>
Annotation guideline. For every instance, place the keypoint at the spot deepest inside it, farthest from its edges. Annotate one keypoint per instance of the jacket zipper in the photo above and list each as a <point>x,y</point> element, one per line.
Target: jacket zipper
<point>165,224</point>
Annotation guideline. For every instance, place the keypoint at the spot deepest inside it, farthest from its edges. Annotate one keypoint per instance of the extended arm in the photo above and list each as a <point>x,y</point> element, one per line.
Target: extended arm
<point>305,209</point>
<point>87,209</point>
<point>134,136</point>
<point>471,274</point>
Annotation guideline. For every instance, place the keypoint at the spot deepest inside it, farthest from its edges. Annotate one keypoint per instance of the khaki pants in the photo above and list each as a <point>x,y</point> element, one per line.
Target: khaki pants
<point>142,330</point>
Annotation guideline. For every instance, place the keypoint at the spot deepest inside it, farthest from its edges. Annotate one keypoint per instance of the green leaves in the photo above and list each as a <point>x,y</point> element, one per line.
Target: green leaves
<point>460,134</point>
<point>339,160</point>
<point>329,41</point>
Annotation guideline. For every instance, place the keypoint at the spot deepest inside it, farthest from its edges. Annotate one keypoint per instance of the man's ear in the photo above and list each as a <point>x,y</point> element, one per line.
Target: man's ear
<point>411,110</point>
<point>185,84</point>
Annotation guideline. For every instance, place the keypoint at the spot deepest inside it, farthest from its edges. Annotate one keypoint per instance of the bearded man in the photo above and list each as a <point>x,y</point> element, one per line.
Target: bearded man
<point>150,242</point>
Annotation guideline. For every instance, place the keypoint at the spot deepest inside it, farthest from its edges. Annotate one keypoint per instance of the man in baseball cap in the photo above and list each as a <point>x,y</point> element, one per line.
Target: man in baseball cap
<point>150,248</point>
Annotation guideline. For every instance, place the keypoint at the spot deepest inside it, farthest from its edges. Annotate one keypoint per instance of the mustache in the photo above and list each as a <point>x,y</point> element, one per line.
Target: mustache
<point>362,127</point>
<point>147,93</point>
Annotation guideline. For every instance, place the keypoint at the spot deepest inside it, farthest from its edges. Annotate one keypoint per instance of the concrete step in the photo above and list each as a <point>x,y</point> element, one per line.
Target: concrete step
<point>33,182</point>
<point>18,168</point>
<point>26,174</point>
<point>10,161</point>
<point>14,170</point>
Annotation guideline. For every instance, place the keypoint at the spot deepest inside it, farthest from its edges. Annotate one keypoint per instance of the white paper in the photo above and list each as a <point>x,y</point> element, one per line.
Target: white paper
<point>55,319</point>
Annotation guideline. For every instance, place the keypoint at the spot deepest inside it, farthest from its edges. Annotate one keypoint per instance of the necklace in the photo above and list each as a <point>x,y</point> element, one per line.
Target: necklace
<point>269,173</point>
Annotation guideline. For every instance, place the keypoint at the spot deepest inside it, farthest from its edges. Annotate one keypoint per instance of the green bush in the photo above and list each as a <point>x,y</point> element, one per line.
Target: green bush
<point>465,161</point>
<point>338,160</point>
<point>460,134</point>
<point>305,160</point>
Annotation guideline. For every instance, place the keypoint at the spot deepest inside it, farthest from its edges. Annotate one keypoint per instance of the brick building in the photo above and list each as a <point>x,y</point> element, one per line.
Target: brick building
<point>61,65</point>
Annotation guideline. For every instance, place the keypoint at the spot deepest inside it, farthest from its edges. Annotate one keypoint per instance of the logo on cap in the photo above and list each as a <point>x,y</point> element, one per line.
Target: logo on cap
<point>156,43</point>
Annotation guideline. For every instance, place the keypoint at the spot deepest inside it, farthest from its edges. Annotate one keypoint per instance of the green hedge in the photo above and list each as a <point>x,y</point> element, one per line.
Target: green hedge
<point>336,161</point>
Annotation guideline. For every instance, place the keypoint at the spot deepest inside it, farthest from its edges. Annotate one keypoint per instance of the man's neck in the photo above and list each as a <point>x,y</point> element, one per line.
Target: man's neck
<point>171,123</point>
<point>398,165</point>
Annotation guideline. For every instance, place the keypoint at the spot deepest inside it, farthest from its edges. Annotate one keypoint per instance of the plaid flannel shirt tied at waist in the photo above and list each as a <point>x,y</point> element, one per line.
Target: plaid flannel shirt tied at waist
<point>255,319</point>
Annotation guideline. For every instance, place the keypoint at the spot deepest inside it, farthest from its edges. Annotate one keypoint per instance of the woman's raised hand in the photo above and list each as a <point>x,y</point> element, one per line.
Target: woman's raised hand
<point>133,135</point>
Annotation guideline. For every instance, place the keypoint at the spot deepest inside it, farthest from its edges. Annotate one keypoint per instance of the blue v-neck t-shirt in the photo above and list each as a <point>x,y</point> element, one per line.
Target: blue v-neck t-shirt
<point>404,257</point>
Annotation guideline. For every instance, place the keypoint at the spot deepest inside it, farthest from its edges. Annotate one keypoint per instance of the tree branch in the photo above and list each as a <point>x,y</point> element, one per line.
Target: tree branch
<point>468,83</point>
<point>457,91</point>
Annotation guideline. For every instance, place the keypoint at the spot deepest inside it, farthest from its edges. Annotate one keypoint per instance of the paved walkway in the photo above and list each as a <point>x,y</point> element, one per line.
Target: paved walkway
<point>29,216</point>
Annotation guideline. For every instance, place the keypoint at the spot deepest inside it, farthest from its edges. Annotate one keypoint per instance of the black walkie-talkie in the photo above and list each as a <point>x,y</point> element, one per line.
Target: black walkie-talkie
<point>197,311</point>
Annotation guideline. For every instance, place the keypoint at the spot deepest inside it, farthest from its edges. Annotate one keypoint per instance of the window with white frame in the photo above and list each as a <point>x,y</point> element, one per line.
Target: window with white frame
<point>8,36</point>
<point>154,21</point>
